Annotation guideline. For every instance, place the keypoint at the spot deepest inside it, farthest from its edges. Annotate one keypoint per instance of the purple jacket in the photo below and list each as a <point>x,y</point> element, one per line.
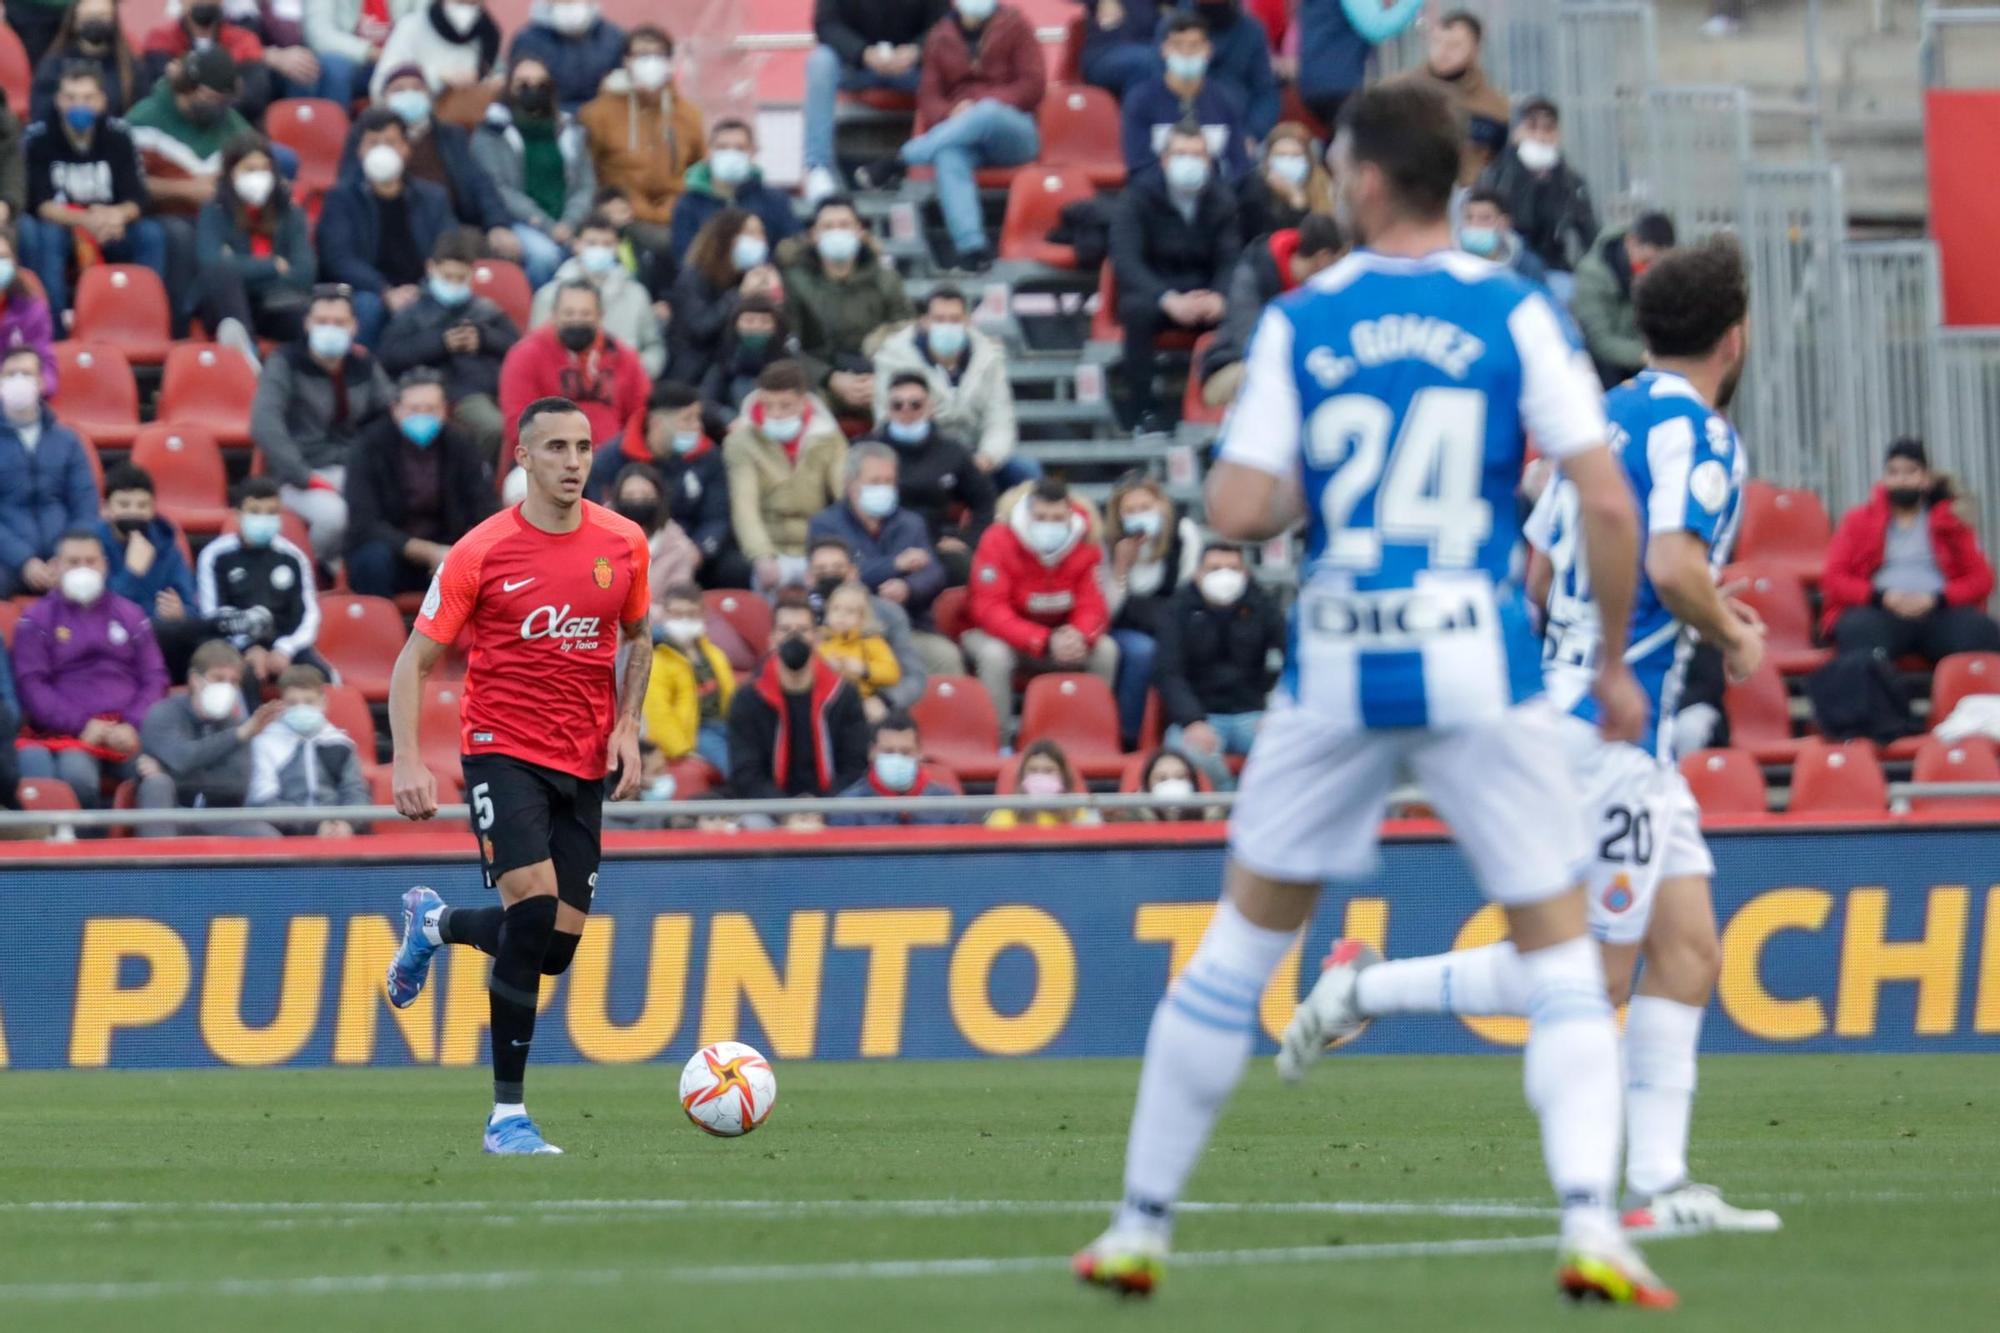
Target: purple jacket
<point>73,663</point>
<point>24,322</point>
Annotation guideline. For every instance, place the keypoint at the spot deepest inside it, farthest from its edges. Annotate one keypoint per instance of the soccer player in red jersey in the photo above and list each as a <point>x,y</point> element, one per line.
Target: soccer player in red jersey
<point>552,594</point>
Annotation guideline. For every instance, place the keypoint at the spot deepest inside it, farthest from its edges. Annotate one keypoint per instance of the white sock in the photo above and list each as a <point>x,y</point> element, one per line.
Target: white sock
<point>1488,980</point>
<point>1195,1053</point>
<point>501,1110</point>
<point>1660,1040</point>
<point>430,923</point>
<point>1572,1079</point>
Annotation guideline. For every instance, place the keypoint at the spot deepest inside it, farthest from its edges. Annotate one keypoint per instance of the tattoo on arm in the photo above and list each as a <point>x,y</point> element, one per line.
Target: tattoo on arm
<point>638,669</point>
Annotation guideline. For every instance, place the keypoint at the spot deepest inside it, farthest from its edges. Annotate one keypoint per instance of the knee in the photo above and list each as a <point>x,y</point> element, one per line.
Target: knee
<point>1684,966</point>
<point>990,654</point>
<point>560,953</point>
<point>157,793</point>
<point>823,66</point>
<point>1136,651</point>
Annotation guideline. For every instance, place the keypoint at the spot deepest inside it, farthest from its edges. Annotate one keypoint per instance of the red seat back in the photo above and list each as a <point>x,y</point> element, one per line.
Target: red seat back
<point>1778,594</point>
<point>1970,760</point>
<point>504,284</point>
<point>1838,778</point>
<point>191,485</point>
<point>45,794</point>
<point>1959,675</point>
<point>96,392</point>
<point>10,611</point>
<point>747,613</point>
<point>1079,128</point>
<point>361,636</point>
<point>1035,201</point>
<point>1759,712</point>
<point>315,129</point>
<point>1784,526</point>
<point>211,387</point>
<point>952,613</point>
<point>124,305</point>
<point>17,76</point>
<point>1077,711</point>
<point>346,709</point>
<point>956,723</point>
<point>1725,782</point>
<point>437,728</point>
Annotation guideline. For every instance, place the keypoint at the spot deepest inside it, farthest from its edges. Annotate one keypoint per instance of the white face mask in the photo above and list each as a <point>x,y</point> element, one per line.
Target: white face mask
<point>1536,155</point>
<point>82,585</point>
<point>748,251</point>
<point>1186,173</point>
<point>382,164</point>
<point>1291,167</point>
<point>1176,787</point>
<point>684,632</point>
<point>729,166</point>
<point>573,17</point>
<point>254,187</point>
<point>21,396</point>
<point>1224,587</point>
<point>1047,536</point>
<point>216,700</point>
<point>305,719</point>
<point>783,429</point>
<point>838,246</point>
<point>650,73</point>
<point>1143,523</point>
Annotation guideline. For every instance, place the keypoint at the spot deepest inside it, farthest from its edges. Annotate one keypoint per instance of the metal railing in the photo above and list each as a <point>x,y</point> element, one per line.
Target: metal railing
<point>1890,312</point>
<point>1605,60</point>
<point>1934,23</point>
<point>1965,418</point>
<point>1697,156</point>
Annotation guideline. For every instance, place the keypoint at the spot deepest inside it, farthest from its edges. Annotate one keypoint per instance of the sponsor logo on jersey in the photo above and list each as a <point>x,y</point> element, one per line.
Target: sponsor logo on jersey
<point>1394,619</point>
<point>482,738</point>
<point>600,572</point>
<point>570,633</point>
<point>1050,603</point>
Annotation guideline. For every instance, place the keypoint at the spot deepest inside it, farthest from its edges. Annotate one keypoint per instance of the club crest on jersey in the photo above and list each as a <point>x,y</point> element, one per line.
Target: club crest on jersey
<point>1618,894</point>
<point>601,572</point>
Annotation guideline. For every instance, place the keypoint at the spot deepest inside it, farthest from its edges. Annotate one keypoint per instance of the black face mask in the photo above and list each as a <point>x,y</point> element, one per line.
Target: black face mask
<point>128,526</point>
<point>753,343</point>
<point>539,100</point>
<point>646,513</point>
<point>1906,497</point>
<point>576,337</point>
<point>794,653</point>
<point>204,16</point>
<point>823,588</point>
<point>96,32</point>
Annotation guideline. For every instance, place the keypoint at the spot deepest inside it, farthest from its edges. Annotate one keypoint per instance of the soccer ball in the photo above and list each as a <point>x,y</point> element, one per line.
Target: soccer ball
<point>728,1089</point>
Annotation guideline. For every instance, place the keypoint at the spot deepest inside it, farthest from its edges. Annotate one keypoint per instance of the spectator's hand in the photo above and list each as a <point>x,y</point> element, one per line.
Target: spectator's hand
<point>462,339</point>
<point>294,62</point>
<point>1208,306</point>
<point>906,58</point>
<point>879,58</point>
<point>6,211</point>
<point>951,546</point>
<point>894,590</point>
<point>804,822</point>
<point>504,243</point>
<point>335,828</point>
<point>762,280</point>
<point>1202,737</point>
<point>95,732</point>
<point>265,715</point>
<point>912,559</point>
<point>1125,554</point>
<point>148,767</point>
<point>1068,646</point>
<point>625,759</point>
<point>282,264</point>
<point>275,663</point>
<point>963,105</point>
<point>562,233</point>
<point>1178,306</point>
<point>374,53</point>
<point>139,553</point>
<point>663,311</point>
<point>986,462</point>
<point>1286,68</point>
<point>122,737</point>
<point>168,605</point>
<point>874,709</point>
<point>1110,14</point>
<point>766,571</point>
<point>400,298</point>
<point>415,787</point>
<point>1908,605</point>
<point>38,575</point>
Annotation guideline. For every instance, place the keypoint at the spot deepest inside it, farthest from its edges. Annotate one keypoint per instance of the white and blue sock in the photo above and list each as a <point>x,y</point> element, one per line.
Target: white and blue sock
<point>1487,980</point>
<point>1661,1037</point>
<point>1572,1080</point>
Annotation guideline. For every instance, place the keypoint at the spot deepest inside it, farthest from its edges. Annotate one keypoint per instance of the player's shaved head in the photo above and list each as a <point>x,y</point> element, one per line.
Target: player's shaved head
<point>1397,154</point>
<point>553,448</point>
<point>547,416</point>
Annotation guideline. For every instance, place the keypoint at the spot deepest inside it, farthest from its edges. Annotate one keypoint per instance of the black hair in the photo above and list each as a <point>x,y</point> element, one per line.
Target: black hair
<point>1408,131</point>
<point>827,541</point>
<point>419,377</point>
<point>652,31</point>
<point>784,377</point>
<point>1654,229</point>
<point>908,378</point>
<point>1486,194</point>
<point>76,70</point>
<point>1464,18</point>
<point>834,201</point>
<point>1051,490</point>
<point>731,123</point>
<point>128,477</point>
<point>672,396</point>
<point>542,407</point>
<point>459,245</point>
<point>1912,448</point>
<point>256,488</point>
<point>376,119</point>
<point>945,291</point>
<point>896,720</point>
<point>1185,21</point>
<point>81,535</point>
<point>597,221</point>
<point>647,473</point>
<point>1230,548</point>
<point>1690,298</point>
<point>581,285</point>
<point>1319,234</point>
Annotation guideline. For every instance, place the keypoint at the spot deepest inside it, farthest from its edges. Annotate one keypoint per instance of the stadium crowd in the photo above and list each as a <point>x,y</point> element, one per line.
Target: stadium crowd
<point>852,551</point>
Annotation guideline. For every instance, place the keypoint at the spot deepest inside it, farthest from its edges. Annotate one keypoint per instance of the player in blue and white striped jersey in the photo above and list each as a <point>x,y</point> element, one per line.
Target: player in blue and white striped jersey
<point>1649,879</point>
<point>1390,400</point>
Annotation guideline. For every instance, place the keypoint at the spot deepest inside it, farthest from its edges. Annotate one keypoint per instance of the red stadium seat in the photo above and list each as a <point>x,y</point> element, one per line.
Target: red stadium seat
<point>437,723</point>
<point>1960,675</point>
<point>1760,717</point>
<point>1076,710</point>
<point>1194,411</point>
<point>17,76</point>
<point>124,305</point>
<point>361,637</point>
<point>1035,202</point>
<point>693,776</point>
<point>747,613</point>
<point>1105,328</point>
<point>955,718</point>
<point>1153,722</point>
<point>1969,760</point>
<point>382,791</point>
<point>348,710</point>
<point>504,284</point>
<point>1079,126</point>
<point>952,613</point>
<point>1776,593</point>
<point>191,483</point>
<point>882,99</point>
<point>315,129</point>
<point>211,387</point>
<point>1070,68</point>
<point>1787,528</point>
<point>95,392</point>
<point>1837,778</point>
<point>10,611</point>
<point>1725,782</point>
<point>45,794</point>
<point>943,777</point>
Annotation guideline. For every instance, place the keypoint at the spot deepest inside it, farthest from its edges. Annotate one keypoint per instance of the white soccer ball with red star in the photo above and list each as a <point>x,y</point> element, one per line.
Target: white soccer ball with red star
<point>728,1089</point>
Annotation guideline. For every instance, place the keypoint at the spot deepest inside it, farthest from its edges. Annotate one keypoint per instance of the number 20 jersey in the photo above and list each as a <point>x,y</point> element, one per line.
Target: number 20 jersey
<point>1400,394</point>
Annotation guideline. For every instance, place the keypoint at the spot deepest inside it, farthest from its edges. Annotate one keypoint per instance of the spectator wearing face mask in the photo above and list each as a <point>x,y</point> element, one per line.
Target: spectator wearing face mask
<point>416,483</point>
<point>455,45</point>
<point>839,291</point>
<point>863,44</point>
<point>441,154</point>
<point>729,262</point>
<point>1602,303</point>
<point>1547,201</point>
<point>1173,241</point>
<point>1169,774</point>
<point>627,309</point>
<point>1288,186</point>
<point>1484,229</point>
<point>829,566</point>
<point>785,459</point>
<point>578,46</point>
<point>1045,771</point>
<point>25,318</point>
<point>890,544</point>
<point>671,439</point>
<point>728,178</point>
<point>350,37</point>
<point>1120,44</point>
<point>202,27</point>
<point>313,401</point>
<point>798,728</point>
<point>87,669</point>
<point>253,252</point>
<point>1271,266</point>
<point>895,769</point>
<point>937,478</point>
<point>637,495</point>
<point>538,157</point>
<point>306,760</point>
<point>1184,94</point>
<point>646,134</point>
<point>462,336</point>
<point>142,550</point>
<point>1036,602</point>
<point>378,226</point>
<point>195,746</point>
<point>1150,555</point>
<point>966,370</point>
<point>46,486</point>
<point>757,338</point>
<point>1215,644</point>
<point>181,128</point>
<point>261,585</point>
<point>90,33</point>
<point>574,357</point>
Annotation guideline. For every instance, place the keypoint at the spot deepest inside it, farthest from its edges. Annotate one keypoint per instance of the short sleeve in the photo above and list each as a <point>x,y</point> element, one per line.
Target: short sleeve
<point>454,591</point>
<point>639,597</point>
<point>1562,403</point>
<point>1263,428</point>
<point>1692,468</point>
<point>1540,529</point>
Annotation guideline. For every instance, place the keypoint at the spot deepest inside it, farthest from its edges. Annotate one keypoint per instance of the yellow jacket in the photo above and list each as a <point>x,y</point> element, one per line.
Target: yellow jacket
<point>673,709</point>
<point>880,669</point>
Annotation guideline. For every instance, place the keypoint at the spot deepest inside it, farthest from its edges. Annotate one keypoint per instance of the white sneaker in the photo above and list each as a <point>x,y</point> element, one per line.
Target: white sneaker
<point>1695,1208</point>
<point>820,183</point>
<point>230,333</point>
<point>1598,1263</point>
<point>1329,1016</point>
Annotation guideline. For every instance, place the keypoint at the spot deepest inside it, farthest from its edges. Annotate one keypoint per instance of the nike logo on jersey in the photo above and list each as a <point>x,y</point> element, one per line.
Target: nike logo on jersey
<point>509,585</point>
<point>518,1042</point>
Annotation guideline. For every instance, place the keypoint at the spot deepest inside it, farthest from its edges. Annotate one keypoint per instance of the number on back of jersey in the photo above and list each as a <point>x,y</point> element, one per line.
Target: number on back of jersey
<point>1425,489</point>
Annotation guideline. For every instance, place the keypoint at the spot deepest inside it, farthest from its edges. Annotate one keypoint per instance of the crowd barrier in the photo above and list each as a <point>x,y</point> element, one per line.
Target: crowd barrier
<point>954,944</point>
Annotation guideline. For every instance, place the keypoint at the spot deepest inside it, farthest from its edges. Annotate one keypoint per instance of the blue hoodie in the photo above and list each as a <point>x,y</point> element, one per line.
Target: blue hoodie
<point>169,568</point>
<point>576,64</point>
<point>43,493</point>
<point>1333,57</point>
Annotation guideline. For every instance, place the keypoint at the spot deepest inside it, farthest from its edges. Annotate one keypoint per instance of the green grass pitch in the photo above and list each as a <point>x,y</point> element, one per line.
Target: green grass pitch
<point>371,1207</point>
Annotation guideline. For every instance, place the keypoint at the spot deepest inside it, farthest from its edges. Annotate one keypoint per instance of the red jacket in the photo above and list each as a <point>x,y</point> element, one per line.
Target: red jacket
<point>1019,598</point>
<point>1855,553</point>
<point>172,39</point>
<point>1008,67</point>
<point>606,380</point>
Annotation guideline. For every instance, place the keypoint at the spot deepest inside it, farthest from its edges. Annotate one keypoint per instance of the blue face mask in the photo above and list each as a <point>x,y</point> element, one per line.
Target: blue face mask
<point>684,440</point>
<point>82,119</point>
<point>420,428</point>
<point>7,272</point>
<point>897,772</point>
<point>259,529</point>
<point>909,432</point>
<point>304,719</point>
<point>877,501</point>
<point>329,342</point>
<point>411,105</point>
<point>1187,68</point>
<point>1478,240</point>
<point>449,293</point>
<point>946,340</point>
